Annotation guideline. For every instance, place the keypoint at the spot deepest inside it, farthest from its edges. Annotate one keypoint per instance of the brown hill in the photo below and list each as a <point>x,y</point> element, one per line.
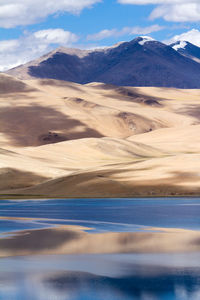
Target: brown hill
<point>61,139</point>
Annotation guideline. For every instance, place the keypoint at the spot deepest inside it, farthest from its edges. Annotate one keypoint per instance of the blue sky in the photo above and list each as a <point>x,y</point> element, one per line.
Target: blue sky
<point>31,28</point>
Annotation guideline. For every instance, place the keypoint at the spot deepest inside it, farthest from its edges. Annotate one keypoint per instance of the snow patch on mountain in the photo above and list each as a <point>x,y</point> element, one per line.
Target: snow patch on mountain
<point>180,45</point>
<point>145,39</point>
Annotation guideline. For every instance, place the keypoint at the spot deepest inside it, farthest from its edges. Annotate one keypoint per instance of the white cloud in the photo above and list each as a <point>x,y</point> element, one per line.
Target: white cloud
<point>192,36</point>
<point>103,34</point>
<point>33,45</point>
<point>171,10</point>
<point>24,12</point>
<point>55,36</point>
<point>186,12</point>
<point>106,33</point>
<point>142,2</point>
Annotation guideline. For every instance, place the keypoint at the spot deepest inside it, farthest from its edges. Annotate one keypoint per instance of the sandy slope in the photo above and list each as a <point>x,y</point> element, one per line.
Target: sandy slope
<point>65,139</point>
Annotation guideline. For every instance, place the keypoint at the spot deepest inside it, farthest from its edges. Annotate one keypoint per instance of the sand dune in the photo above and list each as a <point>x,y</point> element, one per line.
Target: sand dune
<point>14,179</point>
<point>64,139</point>
<point>180,140</point>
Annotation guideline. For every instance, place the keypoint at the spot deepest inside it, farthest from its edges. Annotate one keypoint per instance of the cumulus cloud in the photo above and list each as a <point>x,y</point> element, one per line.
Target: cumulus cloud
<point>192,36</point>
<point>32,45</point>
<point>186,12</point>
<point>171,10</point>
<point>24,12</point>
<point>137,30</point>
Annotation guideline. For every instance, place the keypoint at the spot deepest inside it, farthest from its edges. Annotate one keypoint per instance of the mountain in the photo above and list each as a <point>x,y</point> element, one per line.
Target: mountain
<point>187,49</point>
<point>140,62</point>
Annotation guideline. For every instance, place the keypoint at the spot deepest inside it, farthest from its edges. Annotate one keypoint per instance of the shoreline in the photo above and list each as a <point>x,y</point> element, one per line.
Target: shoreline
<point>31,198</point>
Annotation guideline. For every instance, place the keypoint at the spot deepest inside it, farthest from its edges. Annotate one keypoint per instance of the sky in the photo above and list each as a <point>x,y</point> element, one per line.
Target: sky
<point>32,28</point>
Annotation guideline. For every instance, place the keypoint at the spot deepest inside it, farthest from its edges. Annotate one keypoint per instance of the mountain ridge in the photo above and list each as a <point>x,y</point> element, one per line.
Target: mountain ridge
<point>140,62</point>
<point>187,49</point>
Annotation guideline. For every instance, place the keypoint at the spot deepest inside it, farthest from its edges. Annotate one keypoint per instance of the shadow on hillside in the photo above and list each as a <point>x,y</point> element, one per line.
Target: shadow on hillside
<point>116,183</point>
<point>14,179</point>
<point>9,85</point>
<point>37,125</point>
<point>192,110</point>
<point>131,94</point>
<point>59,83</point>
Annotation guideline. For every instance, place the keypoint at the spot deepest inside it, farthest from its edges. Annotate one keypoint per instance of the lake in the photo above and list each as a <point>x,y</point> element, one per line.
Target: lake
<point>33,267</point>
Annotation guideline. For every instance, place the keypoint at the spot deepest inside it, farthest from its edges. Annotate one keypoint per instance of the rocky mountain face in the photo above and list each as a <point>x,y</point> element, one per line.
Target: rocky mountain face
<point>188,50</point>
<point>140,62</point>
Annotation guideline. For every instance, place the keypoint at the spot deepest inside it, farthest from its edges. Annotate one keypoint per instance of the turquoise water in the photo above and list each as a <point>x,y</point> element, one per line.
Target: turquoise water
<point>95,277</point>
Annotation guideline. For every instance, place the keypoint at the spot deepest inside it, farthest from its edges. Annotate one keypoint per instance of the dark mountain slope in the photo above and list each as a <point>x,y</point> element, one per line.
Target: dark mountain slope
<point>141,62</point>
<point>187,49</point>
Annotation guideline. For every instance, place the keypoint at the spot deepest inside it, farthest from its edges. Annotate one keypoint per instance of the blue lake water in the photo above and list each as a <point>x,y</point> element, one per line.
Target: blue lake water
<point>109,214</point>
<point>101,277</point>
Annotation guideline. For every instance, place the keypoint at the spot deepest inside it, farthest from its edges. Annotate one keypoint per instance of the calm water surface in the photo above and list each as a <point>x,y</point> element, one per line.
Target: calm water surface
<point>101,277</point>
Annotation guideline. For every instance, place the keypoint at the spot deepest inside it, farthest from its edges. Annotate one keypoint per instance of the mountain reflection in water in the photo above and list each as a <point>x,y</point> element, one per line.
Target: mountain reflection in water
<point>119,280</point>
<point>174,284</point>
<point>59,250</point>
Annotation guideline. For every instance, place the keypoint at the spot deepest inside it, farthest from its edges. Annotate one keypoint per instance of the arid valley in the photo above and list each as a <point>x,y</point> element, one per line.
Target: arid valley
<point>62,139</point>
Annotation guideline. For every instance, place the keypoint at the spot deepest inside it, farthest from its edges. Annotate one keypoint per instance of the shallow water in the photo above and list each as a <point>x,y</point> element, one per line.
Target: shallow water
<point>95,277</point>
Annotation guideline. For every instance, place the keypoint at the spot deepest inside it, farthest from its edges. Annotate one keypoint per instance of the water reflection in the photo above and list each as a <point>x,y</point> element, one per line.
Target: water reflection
<point>39,279</point>
<point>74,240</point>
<point>171,284</point>
<point>161,264</point>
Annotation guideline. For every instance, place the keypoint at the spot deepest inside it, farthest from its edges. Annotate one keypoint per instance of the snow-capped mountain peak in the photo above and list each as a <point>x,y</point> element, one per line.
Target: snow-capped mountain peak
<point>142,61</point>
<point>145,39</point>
<point>187,49</point>
<point>180,45</point>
